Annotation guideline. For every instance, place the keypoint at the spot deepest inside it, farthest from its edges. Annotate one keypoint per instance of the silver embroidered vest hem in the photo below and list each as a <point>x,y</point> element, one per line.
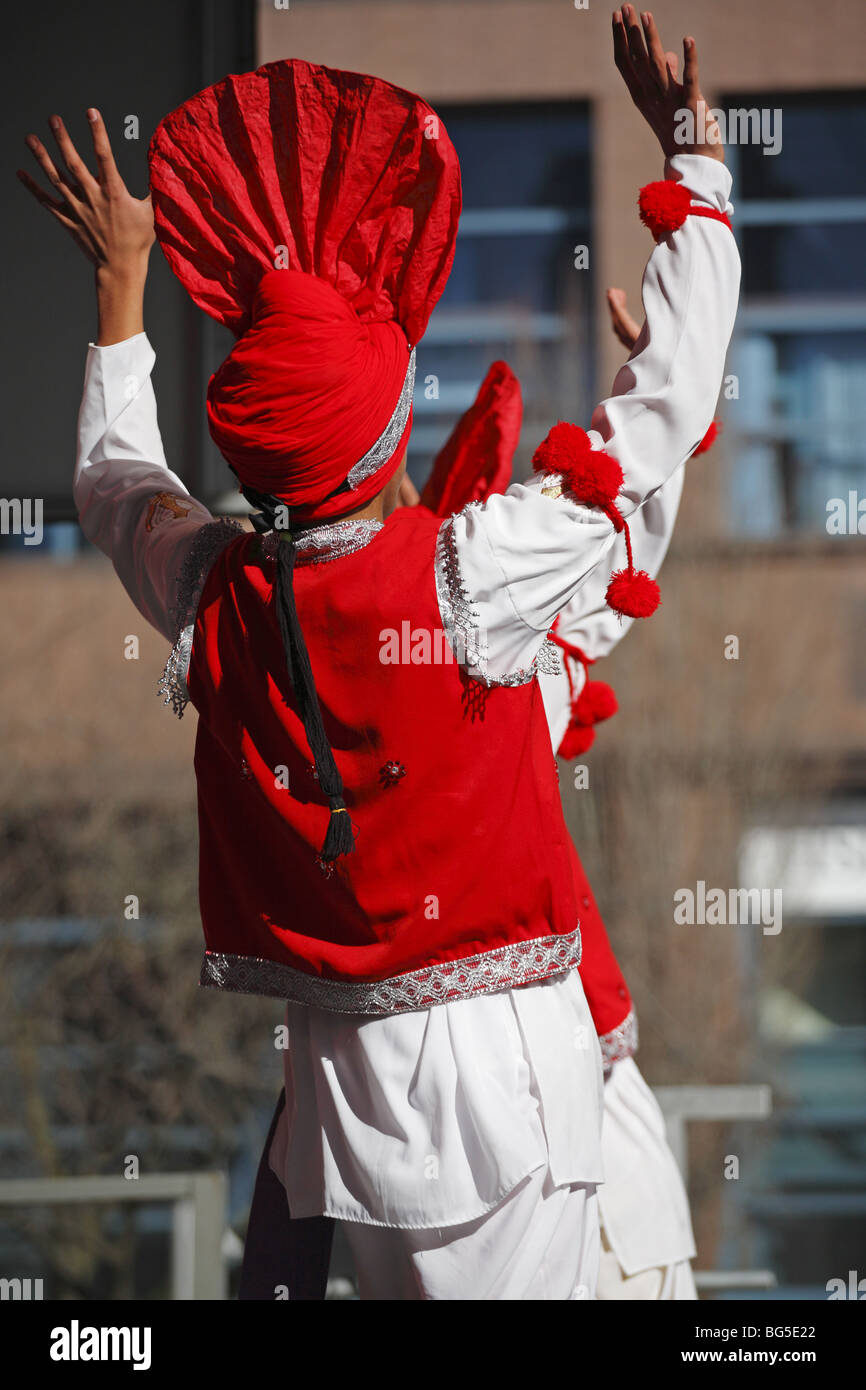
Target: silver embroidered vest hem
<point>504,967</point>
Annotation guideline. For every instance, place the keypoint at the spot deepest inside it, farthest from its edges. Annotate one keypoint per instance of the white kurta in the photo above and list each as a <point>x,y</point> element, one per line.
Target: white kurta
<point>430,1118</point>
<point>378,1099</point>
<point>643,1202</point>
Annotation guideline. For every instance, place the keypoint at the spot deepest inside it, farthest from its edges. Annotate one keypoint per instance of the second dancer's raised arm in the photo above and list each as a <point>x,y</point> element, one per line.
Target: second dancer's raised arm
<point>507,568</point>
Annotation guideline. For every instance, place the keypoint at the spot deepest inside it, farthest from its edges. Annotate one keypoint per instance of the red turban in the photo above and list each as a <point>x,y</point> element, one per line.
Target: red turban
<point>306,392</point>
<point>354,186</point>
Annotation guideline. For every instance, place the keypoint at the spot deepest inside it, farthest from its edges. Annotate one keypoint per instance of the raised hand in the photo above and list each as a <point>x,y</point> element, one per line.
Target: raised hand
<point>621,321</point>
<point>652,80</point>
<point>113,229</point>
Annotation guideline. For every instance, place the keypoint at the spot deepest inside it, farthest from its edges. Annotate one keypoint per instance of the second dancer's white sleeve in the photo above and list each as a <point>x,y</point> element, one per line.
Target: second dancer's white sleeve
<point>588,621</point>
<point>506,568</point>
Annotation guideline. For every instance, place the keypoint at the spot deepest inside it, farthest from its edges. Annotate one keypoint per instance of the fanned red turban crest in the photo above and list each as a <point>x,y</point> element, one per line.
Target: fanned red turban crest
<point>350,181</point>
<point>477,459</point>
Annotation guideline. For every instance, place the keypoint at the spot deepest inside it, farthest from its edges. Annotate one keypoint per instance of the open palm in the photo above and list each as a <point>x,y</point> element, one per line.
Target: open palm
<point>113,229</point>
<point>651,76</point>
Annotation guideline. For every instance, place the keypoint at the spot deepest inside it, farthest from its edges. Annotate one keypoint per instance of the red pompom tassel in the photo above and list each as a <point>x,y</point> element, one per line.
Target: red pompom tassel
<point>595,702</point>
<point>594,477</point>
<point>709,438</point>
<point>589,474</point>
<point>633,593</point>
<point>664,206</point>
<point>561,448</point>
<point>595,480</point>
<point>576,740</point>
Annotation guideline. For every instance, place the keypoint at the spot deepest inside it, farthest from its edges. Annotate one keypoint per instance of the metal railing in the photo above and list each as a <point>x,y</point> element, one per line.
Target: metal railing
<point>198,1202</point>
<point>682,1104</point>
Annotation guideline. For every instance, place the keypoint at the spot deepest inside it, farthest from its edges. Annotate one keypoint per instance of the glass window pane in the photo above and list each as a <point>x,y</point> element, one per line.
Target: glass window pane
<point>514,291</point>
<point>823,136</point>
<point>529,155</point>
<point>800,426</point>
<point>819,258</point>
<point>800,346</point>
<point>527,270</point>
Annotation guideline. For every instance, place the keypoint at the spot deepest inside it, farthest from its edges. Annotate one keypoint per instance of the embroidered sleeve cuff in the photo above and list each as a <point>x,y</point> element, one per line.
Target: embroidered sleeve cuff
<point>209,542</point>
<point>504,568</point>
<point>620,1042</point>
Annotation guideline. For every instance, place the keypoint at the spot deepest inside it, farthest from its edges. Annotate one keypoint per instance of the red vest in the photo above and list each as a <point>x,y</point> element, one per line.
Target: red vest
<point>464,878</point>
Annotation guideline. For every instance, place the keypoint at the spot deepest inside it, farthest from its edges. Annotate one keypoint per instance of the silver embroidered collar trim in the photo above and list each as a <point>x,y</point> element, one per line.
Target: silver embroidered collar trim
<point>460,620</point>
<point>390,437</point>
<point>620,1042</point>
<point>213,537</point>
<point>505,967</point>
<point>327,542</point>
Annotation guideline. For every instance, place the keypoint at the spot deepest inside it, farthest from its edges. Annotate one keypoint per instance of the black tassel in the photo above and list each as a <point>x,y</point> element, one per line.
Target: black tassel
<point>339,838</point>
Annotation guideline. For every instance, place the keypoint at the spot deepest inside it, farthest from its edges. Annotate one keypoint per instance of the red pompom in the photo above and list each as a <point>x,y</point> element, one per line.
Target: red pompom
<point>595,702</point>
<point>709,438</point>
<point>591,475</point>
<point>562,447</point>
<point>664,206</point>
<point>595,480</point>
<point>575,741</point>
<point>633,593</point>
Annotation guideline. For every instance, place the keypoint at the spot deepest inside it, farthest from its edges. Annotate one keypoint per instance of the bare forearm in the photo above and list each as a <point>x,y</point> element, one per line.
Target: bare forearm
<point>120,301</point>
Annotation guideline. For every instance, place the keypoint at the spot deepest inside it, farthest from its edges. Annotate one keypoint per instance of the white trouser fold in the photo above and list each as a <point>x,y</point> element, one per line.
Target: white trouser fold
<point>536,1244</point>
<point>430,1119</point>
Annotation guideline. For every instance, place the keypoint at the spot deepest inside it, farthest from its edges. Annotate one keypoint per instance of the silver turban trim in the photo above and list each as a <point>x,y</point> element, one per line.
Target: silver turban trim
<point>390,436</point>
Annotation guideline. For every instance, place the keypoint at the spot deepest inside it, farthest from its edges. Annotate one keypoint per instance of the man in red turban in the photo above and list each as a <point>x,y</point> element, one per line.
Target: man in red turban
<point>381,837</point>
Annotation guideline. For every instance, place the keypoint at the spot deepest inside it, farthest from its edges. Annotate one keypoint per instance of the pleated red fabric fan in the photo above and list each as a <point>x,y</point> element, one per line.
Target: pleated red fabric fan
<point>477,458</point>
<point>356,178</point>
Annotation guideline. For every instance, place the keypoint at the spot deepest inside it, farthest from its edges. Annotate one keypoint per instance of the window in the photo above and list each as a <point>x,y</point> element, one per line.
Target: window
<point>514,291</point>
<point>800,352</point>
<point>807,1211</point>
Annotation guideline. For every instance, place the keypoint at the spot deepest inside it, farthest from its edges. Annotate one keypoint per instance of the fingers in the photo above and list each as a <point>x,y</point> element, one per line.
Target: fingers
<point>622,58</point>
<point>673,62</point>
<point>46,164</point>
<point>61,212</point>
<point>646,57</point>
<point>108,174</point>
<point>71,158</point>
<point>624,326</point>
<point>634,36</point>
<point>657,63</point>
<point>75,181</point>
<point>38,191</point>
<point>691,87</point>
<point>637,51</point>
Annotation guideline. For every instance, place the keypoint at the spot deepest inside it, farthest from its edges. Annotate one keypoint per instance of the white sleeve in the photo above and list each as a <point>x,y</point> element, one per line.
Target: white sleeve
<point>129,503</point>
<point>588,621</point>
<point>505,568</point>
<point>160,540</point>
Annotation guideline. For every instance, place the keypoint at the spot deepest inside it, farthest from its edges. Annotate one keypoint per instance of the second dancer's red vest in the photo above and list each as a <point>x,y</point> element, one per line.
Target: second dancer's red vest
<point>464,878</point>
